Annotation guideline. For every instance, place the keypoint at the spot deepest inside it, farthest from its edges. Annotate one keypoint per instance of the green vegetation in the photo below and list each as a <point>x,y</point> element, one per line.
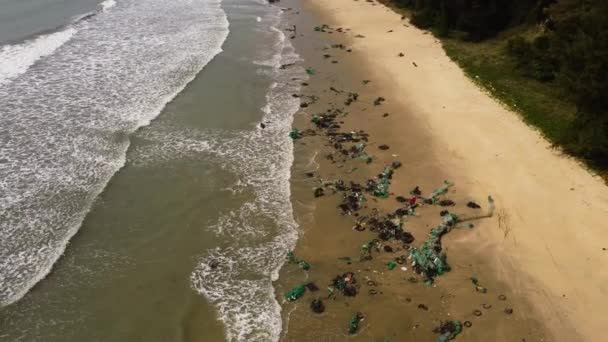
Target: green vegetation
<point>547,59</point>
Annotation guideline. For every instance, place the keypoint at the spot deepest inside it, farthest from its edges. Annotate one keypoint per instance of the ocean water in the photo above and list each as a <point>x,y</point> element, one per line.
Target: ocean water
<point>139,197</point>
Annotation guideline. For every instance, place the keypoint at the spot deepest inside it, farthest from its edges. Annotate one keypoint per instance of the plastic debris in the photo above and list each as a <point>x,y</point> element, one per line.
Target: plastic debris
<point>317,306</point>
<point>447,203</point>
<point>473,205</point>
<point>345,283</point>
<point>478,287</point>
<point>319,192</point>
<point>295,293</point>
<point>294,134</point>
<point>391,265</point>
<point>353,325</point>
<point>312,287</point>
<point>430,260</point>
<point>448,330</point>
<point>434,196</point>
<point>291,258</point>
<point>310,71</point>
<point>379,101</point>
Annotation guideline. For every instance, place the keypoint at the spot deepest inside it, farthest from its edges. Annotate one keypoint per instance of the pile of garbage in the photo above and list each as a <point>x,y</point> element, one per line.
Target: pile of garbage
<point>388,228</point>
<point>379,186</point>
<point>448,330</point>
<point>345,283</point>
<point>353,324</point>
<point>429,260</point>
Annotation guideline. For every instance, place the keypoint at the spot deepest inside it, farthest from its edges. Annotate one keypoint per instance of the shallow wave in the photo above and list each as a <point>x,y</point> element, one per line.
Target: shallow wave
<point>16,59</point>
<point>66,122</point>
<point>256,235</point>
<point>107,4</point>
<point>241,285</point>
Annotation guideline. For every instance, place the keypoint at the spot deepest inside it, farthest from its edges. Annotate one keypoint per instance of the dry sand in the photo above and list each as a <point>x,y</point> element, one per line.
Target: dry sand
<point>548,242</point>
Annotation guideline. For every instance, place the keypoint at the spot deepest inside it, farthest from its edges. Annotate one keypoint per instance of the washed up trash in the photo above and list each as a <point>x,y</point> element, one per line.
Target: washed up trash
<point>353,325</point>
<point>379,101</point>
<point>294,134</point>
<point>352,97</point>
<point>317,306</point>
<point>478,286</point>
<point>423,307</point>
<point>416,191</point>
<point>366,249</point>
<point>473,205</point>
<point>391,265</point>
<point>380,185</point>
<point>396,164</point>
<point>312,287</point>
<point>345,283</point>
<point>383,147</point>
<point>429,260</point>
<point>319,192</point>
<point>508,311</point>
<point>291,258</point>
<point>310,71</point>
<point>447,203</point>
<point>321,28</point>
<point>366,81</point>
<point>442,190</point>
<point>352,199</point>
<point>295,293</point>
<point>448,330</point>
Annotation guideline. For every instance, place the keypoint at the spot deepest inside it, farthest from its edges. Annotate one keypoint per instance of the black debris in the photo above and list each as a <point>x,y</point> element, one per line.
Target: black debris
<point>319,192</point>
<point>473,205</point>
<point>317,306</point>
<point>379,101</point>
<point>447,203</point>
<point>312,287</point>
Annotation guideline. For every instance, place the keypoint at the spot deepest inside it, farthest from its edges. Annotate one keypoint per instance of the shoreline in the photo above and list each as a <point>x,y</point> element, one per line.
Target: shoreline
<point>432,107</point>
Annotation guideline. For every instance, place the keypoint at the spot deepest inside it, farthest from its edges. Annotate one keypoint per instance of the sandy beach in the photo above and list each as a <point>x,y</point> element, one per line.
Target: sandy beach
<point>544,247</point>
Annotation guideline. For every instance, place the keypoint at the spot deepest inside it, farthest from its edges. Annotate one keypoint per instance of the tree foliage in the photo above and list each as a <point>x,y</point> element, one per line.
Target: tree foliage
<point>570,48</point>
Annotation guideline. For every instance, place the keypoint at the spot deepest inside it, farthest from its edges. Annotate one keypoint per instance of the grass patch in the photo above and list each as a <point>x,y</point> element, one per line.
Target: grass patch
<point>543,105</point>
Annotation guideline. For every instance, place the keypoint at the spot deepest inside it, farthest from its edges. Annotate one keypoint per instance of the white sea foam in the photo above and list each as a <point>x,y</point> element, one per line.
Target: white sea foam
<point>241,286</point>
<point>107,4</point>
<point>258,233</point>
<point>16,59</point>
<point>65,122</point>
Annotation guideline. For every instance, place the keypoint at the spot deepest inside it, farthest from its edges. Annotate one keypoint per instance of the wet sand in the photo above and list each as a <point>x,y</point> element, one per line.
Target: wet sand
<point>327,236</point>
<point>543,249</point>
